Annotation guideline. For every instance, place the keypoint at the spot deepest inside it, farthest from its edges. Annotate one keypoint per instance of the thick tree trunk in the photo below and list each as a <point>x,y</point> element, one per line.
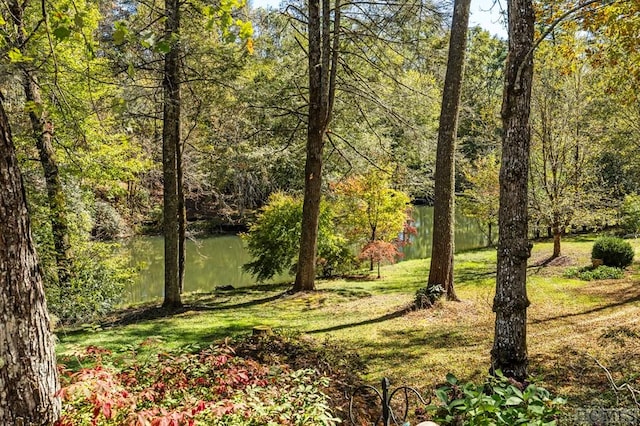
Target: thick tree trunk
<point>170,147</point>
<point>42,132</point>
<point>28,375</point>
<point>441,270</point>
<point>509,352</point>
<point>319,111</point>
<point>557,234</point>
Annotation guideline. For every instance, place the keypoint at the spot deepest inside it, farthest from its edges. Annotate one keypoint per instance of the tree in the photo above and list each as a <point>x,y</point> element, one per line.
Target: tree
<point>28,372</point>
<point>323,62</point>
<point>370,212</point>
<point>509,352</point>
<point>482,199</point>
<point>42,131</point>
<point>441,270</point>
<point>479,130</point>
<point>562,147</point>
<point>173,211</point>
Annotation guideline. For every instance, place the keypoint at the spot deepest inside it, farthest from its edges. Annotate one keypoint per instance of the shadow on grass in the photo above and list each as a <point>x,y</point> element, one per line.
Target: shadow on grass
<point>623,302</point>
<point>468,275</point>
<point>154,312</point>
<point>397,314</point>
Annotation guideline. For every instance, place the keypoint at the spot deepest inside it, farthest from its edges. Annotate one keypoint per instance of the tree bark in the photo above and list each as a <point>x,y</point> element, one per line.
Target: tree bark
<point>42,129</point>
<point>557,235</point>
<point>323,57</point>
<point>42,132</point>
<point>509,352</point>
<point>441,270</point>
<point>182,220</point>
<point>170,147</point>
<point>28,375</point>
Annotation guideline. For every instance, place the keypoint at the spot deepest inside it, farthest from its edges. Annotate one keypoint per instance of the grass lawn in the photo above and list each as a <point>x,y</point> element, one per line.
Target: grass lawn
<point>571,323</point>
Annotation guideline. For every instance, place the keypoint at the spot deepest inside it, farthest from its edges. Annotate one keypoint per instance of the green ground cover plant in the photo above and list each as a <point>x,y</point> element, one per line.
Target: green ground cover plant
<point>589,273</point>
<point>571,323</point>
<point>210,386</point>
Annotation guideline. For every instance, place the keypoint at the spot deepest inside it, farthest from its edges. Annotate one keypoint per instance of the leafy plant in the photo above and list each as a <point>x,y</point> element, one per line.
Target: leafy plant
<point>378,252</point>
<point>274,239</point>
<point>630,214</point>
<point>98,278</point>
<point>426,297</point>
<point>589,273</point>
<point>613,252</point>
<point>497,401</point>
<point>209,387</point>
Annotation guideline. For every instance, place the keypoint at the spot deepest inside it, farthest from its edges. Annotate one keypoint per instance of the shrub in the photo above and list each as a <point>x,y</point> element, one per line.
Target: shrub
<point>98,279</point>
<point>107,222</point>
<point>274,239</point>
<point>497,401</point>
<point>613,252</point>
<point>630,214</point>
<point>589,273</point>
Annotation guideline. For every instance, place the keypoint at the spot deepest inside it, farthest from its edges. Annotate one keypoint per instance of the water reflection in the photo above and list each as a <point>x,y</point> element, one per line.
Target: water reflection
<point>468,234</point>
<point>210,263</point>
<point>217,261</point>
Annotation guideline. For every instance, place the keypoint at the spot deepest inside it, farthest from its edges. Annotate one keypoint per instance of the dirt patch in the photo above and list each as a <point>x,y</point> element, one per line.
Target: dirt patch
<point>556,261</point>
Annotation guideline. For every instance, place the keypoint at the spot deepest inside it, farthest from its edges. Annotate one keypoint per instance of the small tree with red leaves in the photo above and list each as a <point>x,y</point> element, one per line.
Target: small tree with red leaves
<point>380,251</point>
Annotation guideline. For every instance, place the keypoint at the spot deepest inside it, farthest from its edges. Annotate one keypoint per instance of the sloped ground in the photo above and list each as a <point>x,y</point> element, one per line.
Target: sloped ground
<point>573,325</point>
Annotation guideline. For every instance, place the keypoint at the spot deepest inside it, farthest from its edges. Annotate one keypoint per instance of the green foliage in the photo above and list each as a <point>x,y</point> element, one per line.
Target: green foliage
<point>613,251</point>
<point>482,199</point>
<point>210,387</point>
<point>107,222</point>
<point>630,214</point>
<point>98,279</point>
<point>426,297</point>
<point>497,401</point>
<point>370,209</point>
<point>274,239</point>
<point>589,273</point>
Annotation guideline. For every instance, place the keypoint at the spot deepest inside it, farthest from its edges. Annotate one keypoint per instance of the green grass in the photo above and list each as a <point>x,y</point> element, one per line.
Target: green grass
<point>570,321</point>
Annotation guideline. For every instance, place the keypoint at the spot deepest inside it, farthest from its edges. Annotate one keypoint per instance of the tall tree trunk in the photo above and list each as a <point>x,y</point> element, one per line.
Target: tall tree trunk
<point>170,147</point>
<point>557,234</point>
<point>509,352</point>
<point>323,58</point>
<point>28,374</point>
<point>441,270</point>
<point>42,129</point>
<point>42,132</point>
<point>182,220</point>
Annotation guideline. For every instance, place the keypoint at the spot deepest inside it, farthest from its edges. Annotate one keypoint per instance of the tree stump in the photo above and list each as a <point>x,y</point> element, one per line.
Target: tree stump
<point>262,330</point>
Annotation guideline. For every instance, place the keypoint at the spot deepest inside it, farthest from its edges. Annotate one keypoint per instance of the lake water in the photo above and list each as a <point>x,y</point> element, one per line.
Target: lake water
<point>217,261</point>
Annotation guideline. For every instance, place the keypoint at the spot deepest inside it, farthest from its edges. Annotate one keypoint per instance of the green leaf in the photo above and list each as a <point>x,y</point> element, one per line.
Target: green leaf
<point>130,70</point>
<point>62,33</point>
<point>2,21</point>
<point>15,55</point>
<point>78,20</point>
<point>246,29</point>
<point>163,47</point>
<point>451,379</point>
<point>442,395</point>
<point>513,400</point>
<point>118,36</point>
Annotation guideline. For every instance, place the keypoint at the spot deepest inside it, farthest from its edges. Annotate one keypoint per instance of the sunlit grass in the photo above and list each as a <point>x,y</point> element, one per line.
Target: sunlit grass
<point>570,321</point>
